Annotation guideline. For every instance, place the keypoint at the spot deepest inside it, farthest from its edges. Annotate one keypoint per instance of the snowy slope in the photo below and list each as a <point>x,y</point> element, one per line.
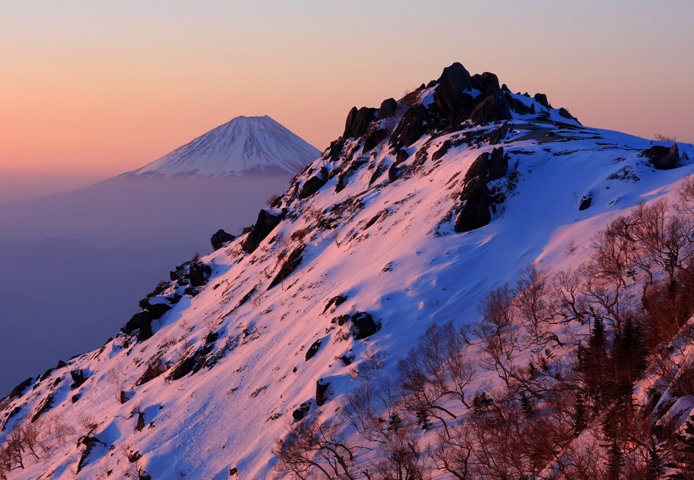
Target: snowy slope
<point>242,145</point>
<point>385,242</point>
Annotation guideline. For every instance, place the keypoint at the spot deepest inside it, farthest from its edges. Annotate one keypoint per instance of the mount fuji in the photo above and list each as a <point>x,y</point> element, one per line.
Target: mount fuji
<point>242,146</point>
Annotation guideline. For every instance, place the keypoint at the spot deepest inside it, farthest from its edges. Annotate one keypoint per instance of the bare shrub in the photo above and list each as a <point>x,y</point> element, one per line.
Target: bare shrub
<point>665,138</point>
<point>311,446</point>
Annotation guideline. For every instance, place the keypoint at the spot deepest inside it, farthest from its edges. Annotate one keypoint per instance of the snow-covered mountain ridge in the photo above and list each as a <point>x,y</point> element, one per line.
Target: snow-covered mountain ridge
<point>420,209</point>
<point>241,146</point>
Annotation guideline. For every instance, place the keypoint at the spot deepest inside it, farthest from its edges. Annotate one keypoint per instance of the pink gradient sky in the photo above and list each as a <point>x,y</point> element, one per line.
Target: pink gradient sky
<point>93,89</point>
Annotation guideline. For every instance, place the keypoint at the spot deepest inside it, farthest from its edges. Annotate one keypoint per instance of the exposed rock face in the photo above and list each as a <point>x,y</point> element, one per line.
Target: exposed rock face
<point>158,310</point>
<point>452,82</point>
<point>77,378</point>
<point>541,98</point>
<point>311,186</point>
<point>289,265</point>
<point>335,302</point>
<point>358,122</point>
<point>374,139</point>
<point>493,107</point>
<point>301,412</point>
<point>198,274</point>
<point>142,321</point>
<point>585,202</point>
<point>17,391</point>
<point>387,109</point>
<point>475,213</point>
<point>497,135</point>
<point>321,392</point>
<point>364,325</point>
<point>313,349</point>
<point>516,105</point>
<point>263,226</point>
<point>219,239</point>
<point>410,128</point>
<point>478,169</point>
<point>498,164</point>
<point>662,158</point>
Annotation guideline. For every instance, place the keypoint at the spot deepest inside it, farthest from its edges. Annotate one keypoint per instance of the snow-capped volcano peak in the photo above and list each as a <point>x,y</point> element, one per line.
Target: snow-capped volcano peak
<point>240,146</point>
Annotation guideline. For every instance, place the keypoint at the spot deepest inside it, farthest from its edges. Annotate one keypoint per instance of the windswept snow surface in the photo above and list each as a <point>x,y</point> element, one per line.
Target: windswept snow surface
<point>389,246</point>
<point>242,145</point>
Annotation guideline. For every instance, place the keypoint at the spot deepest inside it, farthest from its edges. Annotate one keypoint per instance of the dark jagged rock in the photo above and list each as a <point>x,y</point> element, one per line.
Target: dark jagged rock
<point>289,265</point>
<point>89,442</point>
<point>141,321</point>
<point>453,81</point>
<point>493,107</point>
<point>585,202</point>
<point>541,98</point>
<point>515,104</point>
<point>211,338</point>
<point>312,350</point>
<point>19,389</point>
<point>374,139</point>
<point>335,302</point>
<point>497,165</point>
<point>140,422</point>
<point>662,158</point>
<point>12,414</point>
<point>301,412</point>
<point>156,310</point>
<point>565,113</point>
<point>175,298</point>
<point>184,367</point>
<point>263,226</point>
<point>488,79</point>
<point>335,149</point>
<point>478,169</point>
<point>475,213</point>
<point>671,160</point>
<point>77,378</point>
<point>219,239</point>
<point>173,276</point>
<point>387,109</point>
<point>341,320</point>
<point>497,135</point>
<point>321,391</point>
<point>61,364</point>
<point>364,325</point>
<point>43,407</point>
<point>410,128</point>
<point>199,274</point>
<point>347,360</point>
<point>442,150</point>
<point>358,122</point>
<point>394,172</point>
<point>313,184</point>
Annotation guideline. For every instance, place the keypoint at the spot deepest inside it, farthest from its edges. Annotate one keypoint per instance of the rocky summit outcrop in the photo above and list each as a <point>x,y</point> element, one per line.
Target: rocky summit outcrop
<point>451,87</point>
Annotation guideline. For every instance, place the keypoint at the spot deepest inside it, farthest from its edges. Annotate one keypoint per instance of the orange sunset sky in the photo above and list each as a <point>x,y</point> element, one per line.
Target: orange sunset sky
<point>91,89</point>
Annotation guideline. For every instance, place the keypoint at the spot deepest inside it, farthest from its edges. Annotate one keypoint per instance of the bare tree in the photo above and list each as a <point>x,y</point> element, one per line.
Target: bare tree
<point>314,446</point>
